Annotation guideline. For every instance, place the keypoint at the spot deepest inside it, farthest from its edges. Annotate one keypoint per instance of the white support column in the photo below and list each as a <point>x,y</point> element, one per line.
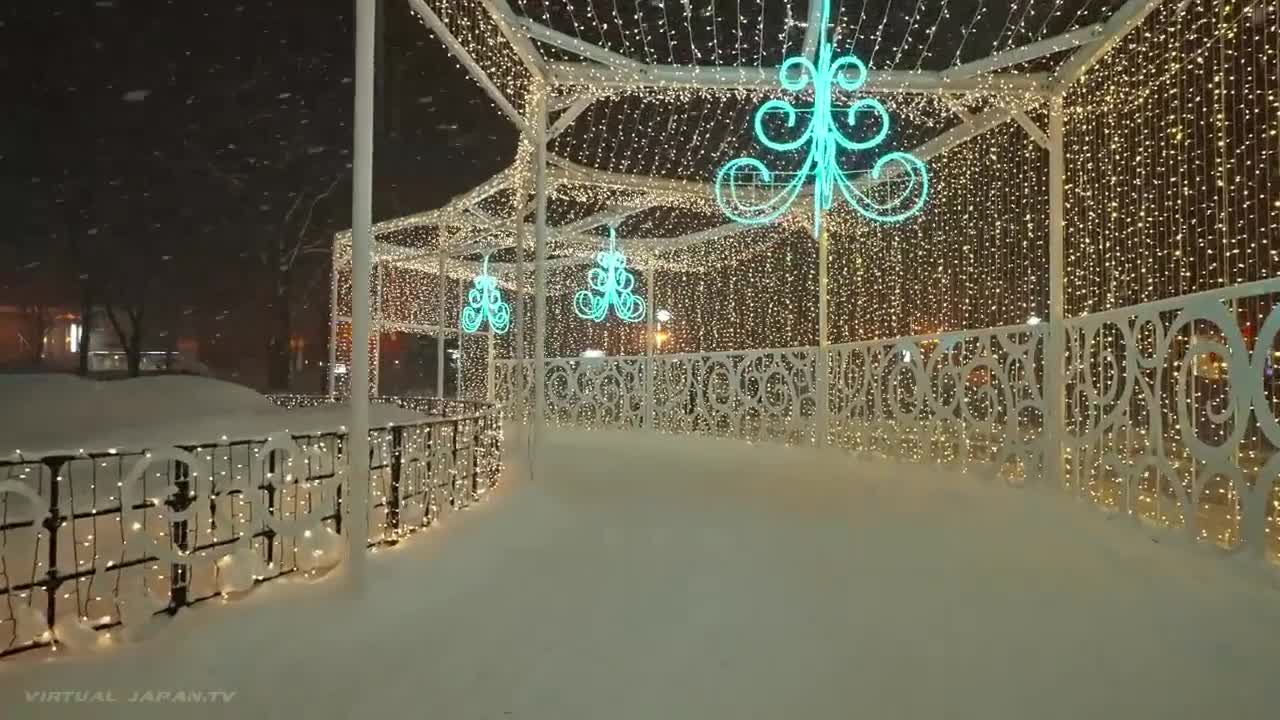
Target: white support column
<point>823,408</point>
<point>489,374</point>
<point>457,375</point>
<point>814,30</point>
<point>1056,347</point>
<point>519,349</point>
<point>538,118</point>
<point>440,335</point>
<point>333,321</point>
<point>375,327</point>
<point>356,525</point>
<point>1121,23</point>
<point>650,275</point>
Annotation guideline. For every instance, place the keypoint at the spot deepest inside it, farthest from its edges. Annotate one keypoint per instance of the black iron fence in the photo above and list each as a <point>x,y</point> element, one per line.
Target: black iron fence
<point>434,406</point>
<point>104,539</point>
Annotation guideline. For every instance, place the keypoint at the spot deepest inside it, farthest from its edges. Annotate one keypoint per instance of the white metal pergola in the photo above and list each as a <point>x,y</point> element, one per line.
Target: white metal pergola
<point>569,88</point>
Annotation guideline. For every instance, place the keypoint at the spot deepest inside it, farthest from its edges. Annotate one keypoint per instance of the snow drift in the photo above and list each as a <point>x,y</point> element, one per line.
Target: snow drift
<point>64,413</point>
<point>641,576</point>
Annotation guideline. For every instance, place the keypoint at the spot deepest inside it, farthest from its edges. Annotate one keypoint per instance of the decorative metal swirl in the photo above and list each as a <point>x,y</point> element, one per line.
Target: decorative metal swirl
<point>742,182</point>
<point>613,283</point>
<point>484,302</point>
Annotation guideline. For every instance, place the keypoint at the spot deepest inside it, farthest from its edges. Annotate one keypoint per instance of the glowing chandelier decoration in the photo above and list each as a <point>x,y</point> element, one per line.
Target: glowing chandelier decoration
<point>485,303</point>
<point>826,142</point>
<point>609,285</point>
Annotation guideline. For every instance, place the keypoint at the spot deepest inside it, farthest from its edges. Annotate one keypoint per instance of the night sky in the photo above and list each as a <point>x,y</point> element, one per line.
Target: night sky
<point>168,154</point>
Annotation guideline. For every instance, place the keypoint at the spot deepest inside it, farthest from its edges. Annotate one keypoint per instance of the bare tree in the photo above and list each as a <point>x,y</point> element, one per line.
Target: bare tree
<point>292,193</point>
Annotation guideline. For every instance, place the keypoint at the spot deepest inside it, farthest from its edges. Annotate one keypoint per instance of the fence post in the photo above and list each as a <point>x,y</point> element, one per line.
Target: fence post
<point>270,486</point>
<point>51,524</point>
<point>178,502</point>
<point>339,447</point>
<point>393,491</point>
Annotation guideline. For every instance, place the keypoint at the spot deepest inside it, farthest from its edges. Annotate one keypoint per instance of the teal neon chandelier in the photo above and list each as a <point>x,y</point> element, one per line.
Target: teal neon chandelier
<point>609,286</point>
<point>485,304</point>
<point>740,183</point>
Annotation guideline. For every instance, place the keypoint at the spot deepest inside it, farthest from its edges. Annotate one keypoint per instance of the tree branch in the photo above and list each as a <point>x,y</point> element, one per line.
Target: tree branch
<point>311,211</point>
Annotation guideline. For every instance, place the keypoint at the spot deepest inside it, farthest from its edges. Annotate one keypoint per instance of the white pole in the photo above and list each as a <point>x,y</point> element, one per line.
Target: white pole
<point>520,350</point>
<point>489,375</point>
<point>457,376</point>
<point>375,327</point>
<point>522,196</point>
<point>1056,347</point>
<point>651,342</point>
<point>333,321</point>
<point>441,325</point>
<point>821,367</point>
<point>539,121</point>
<point>357,521</point>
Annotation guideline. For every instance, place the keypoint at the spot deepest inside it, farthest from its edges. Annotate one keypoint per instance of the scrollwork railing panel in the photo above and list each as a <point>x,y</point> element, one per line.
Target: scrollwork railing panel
<point>959,398</point>
<point>1171,414</point>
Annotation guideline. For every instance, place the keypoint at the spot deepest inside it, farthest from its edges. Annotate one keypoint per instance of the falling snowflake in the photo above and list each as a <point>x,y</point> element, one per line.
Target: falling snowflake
<point>136,95</point>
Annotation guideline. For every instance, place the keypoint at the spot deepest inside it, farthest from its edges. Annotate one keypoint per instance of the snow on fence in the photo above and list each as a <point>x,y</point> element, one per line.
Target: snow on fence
<point>101,540</point>
<point>1169,408</point>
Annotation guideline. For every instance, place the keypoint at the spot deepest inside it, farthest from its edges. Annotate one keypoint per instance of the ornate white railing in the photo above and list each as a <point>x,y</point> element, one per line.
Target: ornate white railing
<point>1171,413</point>
<point>961,398</point>
<point>1169,409</point>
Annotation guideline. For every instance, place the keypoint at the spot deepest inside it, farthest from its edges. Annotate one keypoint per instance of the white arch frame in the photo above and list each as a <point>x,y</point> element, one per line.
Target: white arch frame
<point>601,70</point>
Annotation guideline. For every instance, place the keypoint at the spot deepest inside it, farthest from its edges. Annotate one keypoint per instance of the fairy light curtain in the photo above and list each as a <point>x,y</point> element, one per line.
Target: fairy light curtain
<point>1172,153</point>
<point>905,34</point>
<point>976,256</point>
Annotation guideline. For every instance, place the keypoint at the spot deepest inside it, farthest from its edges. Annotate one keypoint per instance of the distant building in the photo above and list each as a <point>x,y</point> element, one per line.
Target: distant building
<point>48,338</point>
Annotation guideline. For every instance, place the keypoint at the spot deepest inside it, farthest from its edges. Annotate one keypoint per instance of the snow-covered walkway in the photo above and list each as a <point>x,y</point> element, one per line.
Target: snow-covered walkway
<point>660,577</point>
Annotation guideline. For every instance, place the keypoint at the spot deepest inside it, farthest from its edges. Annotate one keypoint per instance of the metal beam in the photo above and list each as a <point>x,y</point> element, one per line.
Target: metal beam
<point>569,115</point>
<point>813,31</point>
<point>960,110</point>
<point>766,79</point>
<point>458,51</point>
<point>604,217</point>
<point>1036,133</point>
<point>1028,52</point>
<point>567,171</point>
<point>569,96</point>
<point>452,212</point>
<point>1129,16</point>
<point>590,51</point>
<point>507,23</point>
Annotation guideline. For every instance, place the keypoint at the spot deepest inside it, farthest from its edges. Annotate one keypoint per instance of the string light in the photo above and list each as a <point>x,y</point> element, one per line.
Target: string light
<point>1171,154</point>
<point>261,506</point>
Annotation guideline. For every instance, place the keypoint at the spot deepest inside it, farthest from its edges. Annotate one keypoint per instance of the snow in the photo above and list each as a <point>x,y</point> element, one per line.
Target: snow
<point>136,95</point>
<point>47,414</point>
<point>661,577</point>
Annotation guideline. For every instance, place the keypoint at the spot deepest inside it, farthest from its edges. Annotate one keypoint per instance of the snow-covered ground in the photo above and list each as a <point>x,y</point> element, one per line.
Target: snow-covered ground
<point>665,577</point>
<point>64,413</point>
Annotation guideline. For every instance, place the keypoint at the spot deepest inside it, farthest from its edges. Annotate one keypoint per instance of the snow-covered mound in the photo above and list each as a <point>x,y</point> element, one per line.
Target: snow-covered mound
<point>40,414</point>
<point>647,576</point>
